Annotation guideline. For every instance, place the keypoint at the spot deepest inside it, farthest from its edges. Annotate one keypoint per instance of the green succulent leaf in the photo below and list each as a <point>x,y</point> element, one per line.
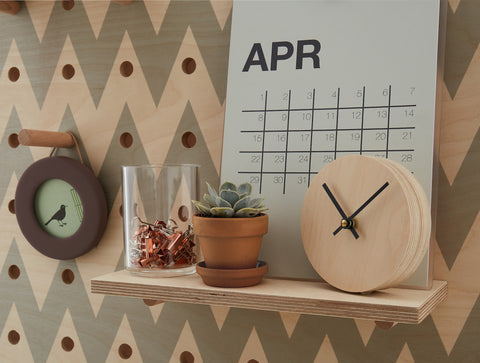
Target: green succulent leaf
<point>220,202</point>
<point>245,188</point>
<point>212,191</point>
<point>242,203</point>
<point>243,195</point>
<point>256,203</point>
<point>202,208</point>
<point>224,212</point>
<point>210,200</point>
<point>228,186</point>
<point>230,196</point>
<point>249,212</point>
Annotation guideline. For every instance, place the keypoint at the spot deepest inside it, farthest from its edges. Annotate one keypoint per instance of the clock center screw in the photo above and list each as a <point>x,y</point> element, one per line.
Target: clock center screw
<point>348,223</point>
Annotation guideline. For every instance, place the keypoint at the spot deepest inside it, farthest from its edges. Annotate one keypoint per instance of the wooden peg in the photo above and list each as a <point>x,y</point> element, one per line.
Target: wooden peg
<point>10,7</point>
<point>385,325</point>
<point>45,138</point>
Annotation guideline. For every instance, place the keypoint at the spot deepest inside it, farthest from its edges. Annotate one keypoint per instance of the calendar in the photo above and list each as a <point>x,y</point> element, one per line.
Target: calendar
<point>311,81</point>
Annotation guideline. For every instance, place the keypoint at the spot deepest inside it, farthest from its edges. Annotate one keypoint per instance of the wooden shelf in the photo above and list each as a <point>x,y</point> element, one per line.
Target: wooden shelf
<point>299,296</point>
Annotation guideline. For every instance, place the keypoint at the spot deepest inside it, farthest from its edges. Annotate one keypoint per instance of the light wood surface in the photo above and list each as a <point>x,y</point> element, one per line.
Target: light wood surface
<point>299,296</point>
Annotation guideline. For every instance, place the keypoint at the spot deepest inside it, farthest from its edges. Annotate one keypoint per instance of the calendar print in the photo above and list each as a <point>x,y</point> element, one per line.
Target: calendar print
<point>288,137</point>
<point>312,81</point>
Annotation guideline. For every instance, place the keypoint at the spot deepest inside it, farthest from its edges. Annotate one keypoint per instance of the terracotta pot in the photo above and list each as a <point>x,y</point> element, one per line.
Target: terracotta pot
<point>232,243</point>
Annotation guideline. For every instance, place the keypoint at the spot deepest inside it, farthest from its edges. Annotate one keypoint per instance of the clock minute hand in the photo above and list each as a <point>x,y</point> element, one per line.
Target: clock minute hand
<point>340,210</point>
<point>362,207</point>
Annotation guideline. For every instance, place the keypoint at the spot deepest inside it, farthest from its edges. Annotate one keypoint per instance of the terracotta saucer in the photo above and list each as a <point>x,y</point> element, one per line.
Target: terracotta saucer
<point>232,277</point>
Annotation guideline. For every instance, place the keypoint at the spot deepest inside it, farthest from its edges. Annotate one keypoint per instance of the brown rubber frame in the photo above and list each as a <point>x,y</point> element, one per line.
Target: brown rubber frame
<point>91,195</point>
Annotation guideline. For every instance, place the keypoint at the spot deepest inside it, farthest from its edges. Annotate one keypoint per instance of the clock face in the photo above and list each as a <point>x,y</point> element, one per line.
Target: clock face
<point>364,223</point>
<point>58,208</point>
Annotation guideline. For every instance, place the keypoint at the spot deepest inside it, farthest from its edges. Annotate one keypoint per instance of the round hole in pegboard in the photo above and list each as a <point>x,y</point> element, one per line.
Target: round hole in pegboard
<point>67,344</point>
<point>11,206</point>
<point>125,351</point>
<point>126,69</point>
<point>13,74</point>
<point>189,139</point>
<point>126,140</point>
<point>13,337</point>
<point>68,276</point>
<point>189,65</point>
<point>183,213</point>
<point>14,272</point>
<point>252,361</point>
<point>13,140</point>
<point>68,4</point>
<point>68,71</point>
<point>186,357</point>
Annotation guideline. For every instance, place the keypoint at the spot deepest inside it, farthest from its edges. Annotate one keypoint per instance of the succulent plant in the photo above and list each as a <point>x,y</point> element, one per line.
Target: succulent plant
<point>230,202</point>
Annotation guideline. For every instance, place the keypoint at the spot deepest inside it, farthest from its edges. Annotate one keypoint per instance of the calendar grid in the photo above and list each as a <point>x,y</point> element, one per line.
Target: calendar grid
<point>312,132</point>
<point>263,140</point>
<point>336,124</point>
<point>327,108</point>
<point>286,142</point>
<point>388,118</point>
<point>311,137</point>
<point>318,151</point>
<point>363,119</point>
<point>340,129</point>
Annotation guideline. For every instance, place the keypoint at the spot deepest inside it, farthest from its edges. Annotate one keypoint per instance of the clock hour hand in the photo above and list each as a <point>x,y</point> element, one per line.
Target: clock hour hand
<point>362,207</point>
<point>340,210</point>
<point>334,201</point>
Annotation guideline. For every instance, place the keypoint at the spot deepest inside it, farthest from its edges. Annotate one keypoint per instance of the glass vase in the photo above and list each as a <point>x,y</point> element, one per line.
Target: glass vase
<point>157,219</point>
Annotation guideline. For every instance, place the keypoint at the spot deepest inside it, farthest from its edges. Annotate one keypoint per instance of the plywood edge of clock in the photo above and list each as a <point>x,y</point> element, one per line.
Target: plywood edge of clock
<point>307,297</point>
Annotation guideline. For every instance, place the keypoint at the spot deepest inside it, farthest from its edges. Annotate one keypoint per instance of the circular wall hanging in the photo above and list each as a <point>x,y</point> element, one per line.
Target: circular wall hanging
<point>60,207</point>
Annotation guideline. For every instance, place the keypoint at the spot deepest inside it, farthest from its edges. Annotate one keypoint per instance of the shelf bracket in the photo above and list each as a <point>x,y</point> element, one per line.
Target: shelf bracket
<point>152,302</point>
<point>385,325</point>
<point>10,6</point>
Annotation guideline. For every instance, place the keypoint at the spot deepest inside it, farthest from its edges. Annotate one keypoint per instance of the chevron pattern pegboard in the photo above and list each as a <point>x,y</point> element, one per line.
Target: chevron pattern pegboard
<point>132,74</point>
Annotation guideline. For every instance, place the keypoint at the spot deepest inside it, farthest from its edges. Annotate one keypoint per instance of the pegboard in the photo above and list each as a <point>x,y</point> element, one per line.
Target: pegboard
<point>133,81</point>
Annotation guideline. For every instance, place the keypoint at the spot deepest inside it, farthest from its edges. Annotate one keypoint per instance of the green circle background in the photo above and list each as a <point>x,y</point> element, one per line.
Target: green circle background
<point>48,199</point>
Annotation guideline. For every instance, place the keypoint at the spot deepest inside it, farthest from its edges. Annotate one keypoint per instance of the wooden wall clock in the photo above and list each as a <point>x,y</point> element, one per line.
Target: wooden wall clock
<point>365,223</point>
<point>60,207</point>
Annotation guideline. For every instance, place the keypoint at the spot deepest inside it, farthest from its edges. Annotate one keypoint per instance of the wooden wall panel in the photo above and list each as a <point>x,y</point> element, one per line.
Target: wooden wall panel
<point>41,315</point>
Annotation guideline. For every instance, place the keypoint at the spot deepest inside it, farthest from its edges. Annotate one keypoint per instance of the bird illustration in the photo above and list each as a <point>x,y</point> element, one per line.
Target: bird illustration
<point>59,216</point>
